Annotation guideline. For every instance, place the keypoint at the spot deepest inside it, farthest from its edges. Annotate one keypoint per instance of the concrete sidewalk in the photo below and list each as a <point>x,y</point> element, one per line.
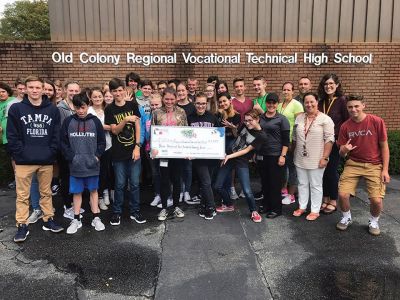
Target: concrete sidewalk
<point>229,257</point>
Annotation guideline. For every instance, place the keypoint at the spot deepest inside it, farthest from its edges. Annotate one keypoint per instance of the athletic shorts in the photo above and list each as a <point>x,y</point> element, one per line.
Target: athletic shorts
<point>78,184</point>
<point>353,171</point>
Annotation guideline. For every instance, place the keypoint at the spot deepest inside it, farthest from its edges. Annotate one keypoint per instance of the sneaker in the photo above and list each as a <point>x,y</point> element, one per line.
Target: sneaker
<point>373,228</point>
<point>242,195</point>
<point>180,197</point>
<point>35,216</point>
<point>156,201</point>
<point>178,212</point>
<point>284,192</point>
<point>54,189</point>
<point>255,216</point>
<point>170,202</point>
<point>69,212</point>
<point>12,185</point>
<point>232,193</point>
<point>258,196</point>
<point>210,214</point>
<point>193,201</point>
<point>344,223</point>
<point>106,197</point>
<point>138,218</point>
<point>22,233</point>
<point>202,211</point>
<point>225,208</point>
<point>186,196</point>
<point>74,226</point>
<point>288,199</point>
<point>52,226</point>
<point>97,224</point>
<point>115,219</point>
<point>102,205</point>
<point>163,215</point>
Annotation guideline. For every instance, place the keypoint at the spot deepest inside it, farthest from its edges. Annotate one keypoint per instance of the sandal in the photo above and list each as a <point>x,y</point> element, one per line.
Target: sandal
<point>323,206</point>
<point>299,212</point>
<point>312,216</point>
<point>330,208</point>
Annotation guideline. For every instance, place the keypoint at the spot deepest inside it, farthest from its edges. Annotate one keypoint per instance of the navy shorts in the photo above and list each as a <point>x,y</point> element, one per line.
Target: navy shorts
<point>78,184</point>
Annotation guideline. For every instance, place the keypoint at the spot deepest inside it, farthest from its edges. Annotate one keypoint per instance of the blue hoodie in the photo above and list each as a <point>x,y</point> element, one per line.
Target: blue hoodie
<point>82,140</point>
<point>33,132</point>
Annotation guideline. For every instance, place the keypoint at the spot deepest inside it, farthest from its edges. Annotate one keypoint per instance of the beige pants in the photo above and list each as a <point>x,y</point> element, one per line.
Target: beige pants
<point>23,180</point>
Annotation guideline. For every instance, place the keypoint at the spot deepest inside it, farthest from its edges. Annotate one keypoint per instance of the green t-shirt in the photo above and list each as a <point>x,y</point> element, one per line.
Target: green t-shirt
<point>294,107</point>
<point>3,119</point>
<point>139,93</point>
<point>261,101</point>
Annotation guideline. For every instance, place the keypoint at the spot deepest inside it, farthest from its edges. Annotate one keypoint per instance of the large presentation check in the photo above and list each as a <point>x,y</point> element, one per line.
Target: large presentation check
<point>188,142</point>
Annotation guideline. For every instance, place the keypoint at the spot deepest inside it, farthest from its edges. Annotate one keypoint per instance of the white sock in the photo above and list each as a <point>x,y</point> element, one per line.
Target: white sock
<point>346,214</point>
<point>374,219</point>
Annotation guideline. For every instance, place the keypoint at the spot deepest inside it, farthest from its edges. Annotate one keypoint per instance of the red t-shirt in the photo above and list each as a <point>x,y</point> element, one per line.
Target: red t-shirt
<point>366,135</point>
<point>242,108</point>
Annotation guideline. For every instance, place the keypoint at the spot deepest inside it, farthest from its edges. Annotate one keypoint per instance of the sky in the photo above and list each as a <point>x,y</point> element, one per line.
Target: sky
<point>3,3</point>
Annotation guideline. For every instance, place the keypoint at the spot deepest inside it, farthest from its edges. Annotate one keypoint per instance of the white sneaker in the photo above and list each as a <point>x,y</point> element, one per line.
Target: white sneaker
<point>180,197</point>
<point>74,226</point>
<point>233,194</point>
<point>106,197</point>
<point>102,204</point>
<point>289,199</point>
<point>156,201</point>
<point>178,212</point>
<point>35,216</point>
<point>373,227</point>
<point>97,224</point>
<point>170,202</point>
<point>163,215</point>
<point>186,197</point>
<point>69,212</point>
<point>242,195</point>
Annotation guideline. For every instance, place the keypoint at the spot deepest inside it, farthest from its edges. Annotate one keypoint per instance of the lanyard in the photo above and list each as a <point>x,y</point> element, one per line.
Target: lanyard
<point>306,130</point>
<point>329,107</point>
<point>282,110</point>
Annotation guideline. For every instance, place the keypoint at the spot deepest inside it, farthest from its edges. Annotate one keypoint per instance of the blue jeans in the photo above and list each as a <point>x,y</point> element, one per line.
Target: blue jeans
<point>35,195</point>
<point>244,178</point>
<point>186,176</point>
<point>127,170</point>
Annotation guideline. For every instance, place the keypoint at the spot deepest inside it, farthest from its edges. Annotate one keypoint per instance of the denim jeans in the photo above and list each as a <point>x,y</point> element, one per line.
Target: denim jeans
<point>244,179</point>
<point>187,176</point>
<point>202,169</point>
<point>155,170</point>
<point>35,195</point>
<point>127,170</point>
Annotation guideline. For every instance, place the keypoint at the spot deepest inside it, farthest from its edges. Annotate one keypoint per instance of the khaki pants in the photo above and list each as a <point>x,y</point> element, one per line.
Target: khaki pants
<point>23,180</point>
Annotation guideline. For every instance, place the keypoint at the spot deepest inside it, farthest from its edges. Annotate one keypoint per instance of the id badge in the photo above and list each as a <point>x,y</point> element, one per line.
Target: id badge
<point>259,157</point>
<point>164,163</point>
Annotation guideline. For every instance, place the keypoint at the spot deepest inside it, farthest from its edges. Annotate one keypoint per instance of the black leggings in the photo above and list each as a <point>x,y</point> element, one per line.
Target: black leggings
<point>170,174</point>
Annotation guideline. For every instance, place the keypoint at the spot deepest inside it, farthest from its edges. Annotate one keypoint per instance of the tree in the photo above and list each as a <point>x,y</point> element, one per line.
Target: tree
<point>25,20</point>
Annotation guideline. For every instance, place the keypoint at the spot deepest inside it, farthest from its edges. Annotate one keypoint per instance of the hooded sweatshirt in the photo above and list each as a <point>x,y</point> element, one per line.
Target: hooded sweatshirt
<point>33,132</point>
<point>82,143</point>
<point>65,110</point>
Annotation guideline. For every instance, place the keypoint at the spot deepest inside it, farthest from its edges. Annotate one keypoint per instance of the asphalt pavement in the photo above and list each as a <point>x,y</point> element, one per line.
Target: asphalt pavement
<point>229,257</point>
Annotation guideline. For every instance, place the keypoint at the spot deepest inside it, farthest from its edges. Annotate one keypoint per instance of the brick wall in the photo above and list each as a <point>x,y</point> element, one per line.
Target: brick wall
<point>379,82</point>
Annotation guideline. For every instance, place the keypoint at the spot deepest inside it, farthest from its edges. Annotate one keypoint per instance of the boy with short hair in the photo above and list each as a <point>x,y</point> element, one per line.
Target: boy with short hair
<point>260,86</point>
<point>363,139</point>
<point>83,142</point>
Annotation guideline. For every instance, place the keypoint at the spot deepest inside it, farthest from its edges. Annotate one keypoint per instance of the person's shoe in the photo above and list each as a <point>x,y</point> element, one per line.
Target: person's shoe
<point>202,211</point>
<point>22,233</point>
<point>180,197</point>
<point>284,192</point>
<point>242,195</point>
<point>232,193</point>
<point>344,223</point>
<point>54,189</point>
<point>261,209</point>
<point>115,219</point>
<point>170,202</point>
<point>12,185</point>
<point>255,216</point>
<point>299,212</point>
<point>210,214</point>
<point>225,208</point>
<point>163,215</point>
<point>193,201</point>
<point>106,197</point>
<point>178,212</point>
<point>186,196</point>
<point>258,196</point>
<point>35,216</point>
<point>373,228</point>
<point>312,216</point>
<point>98,224</point>
<point>156,200</point>
<point>272,215</point>
<point>288,199</point>
<point>52,226</point>
<point>74,226</point>
<point>138,218</point>
<point>69,212</point>
<point>102,205</point>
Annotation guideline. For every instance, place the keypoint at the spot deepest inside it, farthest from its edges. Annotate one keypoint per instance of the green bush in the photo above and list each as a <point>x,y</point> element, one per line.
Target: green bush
<point>394,147</point>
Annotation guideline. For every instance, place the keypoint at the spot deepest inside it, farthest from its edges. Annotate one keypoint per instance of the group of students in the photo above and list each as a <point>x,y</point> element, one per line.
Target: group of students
<point>99,139</point>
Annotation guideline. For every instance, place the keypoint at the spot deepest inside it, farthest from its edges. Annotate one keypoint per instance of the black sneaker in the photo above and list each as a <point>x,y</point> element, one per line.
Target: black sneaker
<point>137,216</point>
<point>54,189</point>
<point>52,226</point>
<point>202,211</point>
<point>210,214</point>
<point>115,219</point>
<point>22,233</point>
<point>258,196</point>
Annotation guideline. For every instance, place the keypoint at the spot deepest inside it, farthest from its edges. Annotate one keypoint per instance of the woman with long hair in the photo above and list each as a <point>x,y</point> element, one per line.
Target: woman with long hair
<point>212,103</point>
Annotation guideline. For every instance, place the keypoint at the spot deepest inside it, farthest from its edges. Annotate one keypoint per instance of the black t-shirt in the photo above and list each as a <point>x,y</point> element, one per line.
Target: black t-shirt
<point>246,137</point>
<point>277,129</point>
<point>124,142</point>
<point>188,108</point>
<point>235,120</point>
<point>205,120</point>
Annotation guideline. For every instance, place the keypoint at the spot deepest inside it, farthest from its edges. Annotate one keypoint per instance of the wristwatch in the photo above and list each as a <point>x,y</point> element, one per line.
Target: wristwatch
<point>326,158</point>
<point>284,156</point>
<point>139,145</point>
